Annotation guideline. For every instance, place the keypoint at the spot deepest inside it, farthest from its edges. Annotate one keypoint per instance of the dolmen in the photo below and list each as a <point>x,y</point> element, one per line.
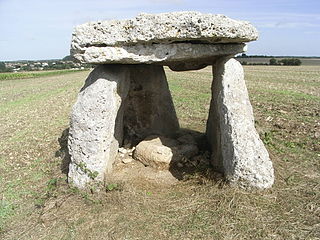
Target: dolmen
<point>127,98</point>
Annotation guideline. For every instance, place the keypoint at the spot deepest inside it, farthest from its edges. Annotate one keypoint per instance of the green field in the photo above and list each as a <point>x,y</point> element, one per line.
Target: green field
<point>34,74</point>
<point>36,202</point>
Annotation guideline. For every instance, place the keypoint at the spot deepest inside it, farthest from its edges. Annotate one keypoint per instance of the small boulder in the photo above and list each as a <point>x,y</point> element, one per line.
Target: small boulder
<point>160,152</point>
<point>127,160</point>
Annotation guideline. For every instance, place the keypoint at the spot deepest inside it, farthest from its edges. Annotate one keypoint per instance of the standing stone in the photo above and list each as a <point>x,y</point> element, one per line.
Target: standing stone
<point>149,108</point>
<point>236,147</point>
<point>116,101</point>
<point>96,127</point>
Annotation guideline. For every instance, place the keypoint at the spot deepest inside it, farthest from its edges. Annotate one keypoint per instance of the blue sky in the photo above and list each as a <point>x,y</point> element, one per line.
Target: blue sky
<point>41,29</point>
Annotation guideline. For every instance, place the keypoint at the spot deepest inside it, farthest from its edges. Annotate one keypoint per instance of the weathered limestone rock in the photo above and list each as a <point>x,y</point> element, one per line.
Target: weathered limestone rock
<point>96,124</point>
<point>155,152</point>
<point>236,147</point>
<point>165,28</point>
<point>165,38</point>
<point>117,101</point>
<point>149,108</point>
<point>164,54</point>
<point>160,152</point>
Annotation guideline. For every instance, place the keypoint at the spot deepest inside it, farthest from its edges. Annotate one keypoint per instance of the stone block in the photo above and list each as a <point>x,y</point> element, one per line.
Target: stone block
<point>179,56</point>
<point>96,127</point>
<point>160,152</point>
<point>182,40</point>
<point>173,27</point>
<point>149,107</point>
<point>237,149</point>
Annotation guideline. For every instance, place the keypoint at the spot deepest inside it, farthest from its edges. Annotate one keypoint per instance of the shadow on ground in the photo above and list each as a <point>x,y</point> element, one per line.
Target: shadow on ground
<point>197,166</point>
<point>63,152</point>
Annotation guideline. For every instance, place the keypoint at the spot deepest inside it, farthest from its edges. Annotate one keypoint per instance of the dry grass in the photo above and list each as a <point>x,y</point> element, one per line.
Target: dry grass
<point>36,203</point>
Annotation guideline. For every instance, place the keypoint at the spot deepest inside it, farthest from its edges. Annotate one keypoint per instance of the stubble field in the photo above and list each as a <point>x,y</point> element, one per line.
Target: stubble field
<point>36,202</point>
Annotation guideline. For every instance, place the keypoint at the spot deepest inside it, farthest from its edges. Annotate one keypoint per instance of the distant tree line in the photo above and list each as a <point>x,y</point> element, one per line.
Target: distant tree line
<point>275,62</point>
<point>66,63</point>
<point>285,62</point>
<point>243,55</point>
<point>245,59</point>
<point>3,67</point>
<point>252,63</point>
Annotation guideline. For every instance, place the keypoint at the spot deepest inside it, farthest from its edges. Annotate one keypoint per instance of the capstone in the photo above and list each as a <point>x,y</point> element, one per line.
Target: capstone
<point>161,38</point>
<point>194,27</point>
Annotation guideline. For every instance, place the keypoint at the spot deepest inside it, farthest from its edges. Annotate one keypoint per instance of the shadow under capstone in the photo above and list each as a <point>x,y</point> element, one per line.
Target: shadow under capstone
<point>183,168</point>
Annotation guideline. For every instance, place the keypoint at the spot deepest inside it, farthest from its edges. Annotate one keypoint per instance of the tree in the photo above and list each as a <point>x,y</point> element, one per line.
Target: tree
<point>296,62</point>
<point>3,67</point>
<point>290,62</point>
<point>273,61</point>
<point>68,58</point>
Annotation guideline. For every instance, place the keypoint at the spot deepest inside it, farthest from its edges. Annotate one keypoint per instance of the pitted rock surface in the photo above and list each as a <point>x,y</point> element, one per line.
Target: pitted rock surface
<point>164,28</point>
<point>161,152</point>
<point>163,54</point>
<point>133,41</point>
<point>116,102</point>
<point>236,147</point>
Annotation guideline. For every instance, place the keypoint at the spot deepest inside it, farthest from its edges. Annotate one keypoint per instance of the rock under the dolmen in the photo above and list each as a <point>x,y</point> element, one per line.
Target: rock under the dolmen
<point>161,152</point>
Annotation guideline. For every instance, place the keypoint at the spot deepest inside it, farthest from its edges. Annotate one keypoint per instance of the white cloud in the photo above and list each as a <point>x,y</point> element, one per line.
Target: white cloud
<point>283,20</point>
<point>289,25</point>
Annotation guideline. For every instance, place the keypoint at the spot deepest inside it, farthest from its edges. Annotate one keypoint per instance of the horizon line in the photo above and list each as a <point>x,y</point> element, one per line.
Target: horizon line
<point>247,55</point>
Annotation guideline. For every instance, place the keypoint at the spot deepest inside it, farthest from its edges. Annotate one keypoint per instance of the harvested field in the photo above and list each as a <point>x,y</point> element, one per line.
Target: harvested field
<point>36,202</point>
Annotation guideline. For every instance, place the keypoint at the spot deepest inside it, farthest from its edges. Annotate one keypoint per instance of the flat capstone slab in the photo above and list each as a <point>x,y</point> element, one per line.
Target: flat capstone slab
<point>164,54</point>
<point>140,40</point>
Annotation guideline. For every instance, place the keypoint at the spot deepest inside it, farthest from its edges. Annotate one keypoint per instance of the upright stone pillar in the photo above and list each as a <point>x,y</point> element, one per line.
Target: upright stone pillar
<point>96,127</point>
<point>116,101</point>
<point>149,107</point>
<point>237,150</point>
